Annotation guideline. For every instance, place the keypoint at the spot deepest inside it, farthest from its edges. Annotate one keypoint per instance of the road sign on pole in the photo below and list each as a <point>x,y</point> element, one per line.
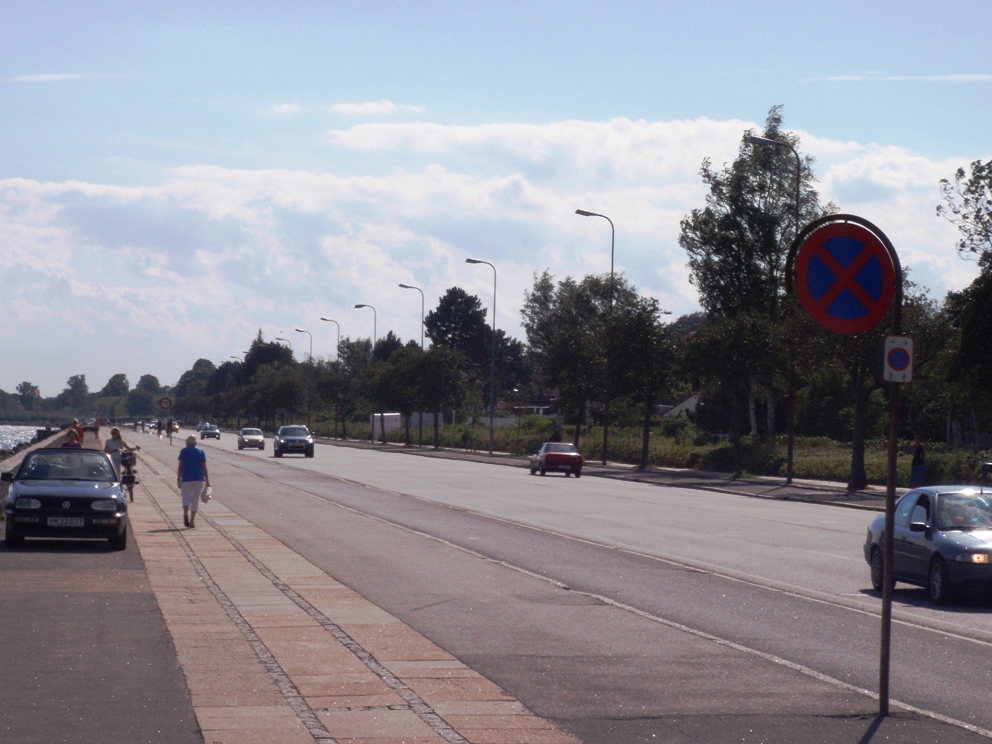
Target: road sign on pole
<point>165,403</point>
<point>897,359</point>
<point>844,277</point>
<point>501,404</point>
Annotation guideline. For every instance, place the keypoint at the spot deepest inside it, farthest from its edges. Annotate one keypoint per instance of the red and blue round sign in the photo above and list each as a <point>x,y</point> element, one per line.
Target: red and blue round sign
<point>844,277</point>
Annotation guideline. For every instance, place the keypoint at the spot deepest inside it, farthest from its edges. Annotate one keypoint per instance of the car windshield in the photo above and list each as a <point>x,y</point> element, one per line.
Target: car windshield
<point>67,465</point>
<point>567,448</point>
<point>294,431</point>
<point>251,432</point>
<point>963,511</point>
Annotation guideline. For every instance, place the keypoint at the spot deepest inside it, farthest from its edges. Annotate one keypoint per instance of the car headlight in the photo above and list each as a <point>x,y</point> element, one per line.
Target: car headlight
<point>104,505</point>
<point>28,504</point>
<point>973,558</point>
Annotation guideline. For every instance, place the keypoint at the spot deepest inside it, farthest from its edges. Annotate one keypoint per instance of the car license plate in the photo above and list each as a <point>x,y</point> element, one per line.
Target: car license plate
<point>66,521</point>
<point>564,467</point>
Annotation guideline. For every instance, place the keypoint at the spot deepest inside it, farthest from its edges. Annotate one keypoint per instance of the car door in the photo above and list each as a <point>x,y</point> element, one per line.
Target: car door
<point>901,547</point>
<point>918,544</point>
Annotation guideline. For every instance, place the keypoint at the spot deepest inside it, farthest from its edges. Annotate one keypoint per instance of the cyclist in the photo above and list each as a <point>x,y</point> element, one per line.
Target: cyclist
<point>114,446</point>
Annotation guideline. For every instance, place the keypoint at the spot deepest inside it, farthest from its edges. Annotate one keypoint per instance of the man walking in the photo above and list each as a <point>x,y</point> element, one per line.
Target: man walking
<point>192,477</point>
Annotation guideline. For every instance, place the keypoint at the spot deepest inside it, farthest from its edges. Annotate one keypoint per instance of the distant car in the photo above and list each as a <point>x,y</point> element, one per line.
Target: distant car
<point>199,426</point>
<point>942,541</point>
<point>295,438</point>
<point>251,438</point>
<point>174,426</point>
<point>66,493</point>
<point>557,457</point>
<point>91,425</point>
<point>210,431</point>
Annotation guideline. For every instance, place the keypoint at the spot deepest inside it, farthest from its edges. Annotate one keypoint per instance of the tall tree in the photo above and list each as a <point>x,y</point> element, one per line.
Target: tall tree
<point>76,393</point>
<point>459,322</point>
<point>116,386</point>
<point>28,395</point>
<point>969,207</point>
<point>149,384</point>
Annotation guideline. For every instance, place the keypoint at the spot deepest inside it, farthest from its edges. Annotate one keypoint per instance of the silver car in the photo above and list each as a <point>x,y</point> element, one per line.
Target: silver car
<point>251,438</point>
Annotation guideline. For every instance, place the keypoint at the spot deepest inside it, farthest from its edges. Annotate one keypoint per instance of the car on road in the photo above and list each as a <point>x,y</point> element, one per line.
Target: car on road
<point>91,424</point>
<point>210,431</point>
<point>556,457</point>
<point>293,439</point>
<point>251,438</point>
<point>201,425</point>
<point>942,541</point>
<point>66,493</point>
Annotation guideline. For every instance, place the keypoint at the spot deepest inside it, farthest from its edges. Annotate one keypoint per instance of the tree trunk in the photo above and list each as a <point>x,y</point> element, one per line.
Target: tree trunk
<point>437,436</point>
<point>646,432</point>
<point>578,425</point>
<point>382,423</point>
<point>859,478</point>
<point>752,412</point>
<point>407,431</point>
<point>770,414</point>
<point>735,434</point>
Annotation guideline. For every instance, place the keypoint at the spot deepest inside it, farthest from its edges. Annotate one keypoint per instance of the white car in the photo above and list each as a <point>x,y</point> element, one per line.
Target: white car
<point>251,438</point>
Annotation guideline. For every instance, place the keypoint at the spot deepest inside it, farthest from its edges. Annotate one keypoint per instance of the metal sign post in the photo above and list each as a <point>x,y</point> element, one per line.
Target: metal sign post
<point>846,275</point>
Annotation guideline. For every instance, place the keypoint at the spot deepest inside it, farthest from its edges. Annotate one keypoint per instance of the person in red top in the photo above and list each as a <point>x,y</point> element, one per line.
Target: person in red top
<point>75,427</point>
<point>71,441</point>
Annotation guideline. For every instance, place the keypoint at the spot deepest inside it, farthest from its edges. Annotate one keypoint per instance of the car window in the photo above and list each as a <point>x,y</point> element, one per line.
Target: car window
<point>67,465</point>
<point>905,507</point>
<point>961,511</point>
<point>569,448</point>
<point>293,431</point>
<point>251,432</point>
<point>921,512</point>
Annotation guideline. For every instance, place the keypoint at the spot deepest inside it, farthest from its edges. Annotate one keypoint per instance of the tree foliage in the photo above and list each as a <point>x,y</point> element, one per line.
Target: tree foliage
<point>968,205</point>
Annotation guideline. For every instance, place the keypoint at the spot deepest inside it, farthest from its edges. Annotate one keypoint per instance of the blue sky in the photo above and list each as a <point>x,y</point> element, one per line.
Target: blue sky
<point>184,174</point>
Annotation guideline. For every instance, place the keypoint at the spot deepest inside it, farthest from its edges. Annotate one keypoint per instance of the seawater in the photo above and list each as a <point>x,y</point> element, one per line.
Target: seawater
<point>11,436</point>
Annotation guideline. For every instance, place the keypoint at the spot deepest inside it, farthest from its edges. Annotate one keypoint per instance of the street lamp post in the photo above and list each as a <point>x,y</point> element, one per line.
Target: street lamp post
<point>409,286</point>
<point>420,414</point>
<point>375,320</point>
<point>288,342</point>
<point>329,320</point>
<point>309,373</point>
<point>606,408</point>
<point>790,447</point>
<point>492,365</point>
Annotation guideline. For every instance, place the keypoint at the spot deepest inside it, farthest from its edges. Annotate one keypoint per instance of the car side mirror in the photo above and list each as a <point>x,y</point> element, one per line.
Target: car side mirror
<point>127,480</point>
<point>918,527</point>
<point>7,477</point>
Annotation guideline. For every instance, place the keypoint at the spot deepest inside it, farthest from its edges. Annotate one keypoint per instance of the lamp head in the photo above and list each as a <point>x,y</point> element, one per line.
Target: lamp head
<point>300,330</point>
<point>327,319</point>
<point>361,305</point>
<point>584,213</point>
<point>752,139</point>
<point>473,261</point>
<point>406,286</point>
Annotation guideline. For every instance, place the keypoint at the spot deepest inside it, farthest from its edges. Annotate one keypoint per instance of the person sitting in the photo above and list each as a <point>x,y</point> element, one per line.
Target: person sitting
<point>72,441</point>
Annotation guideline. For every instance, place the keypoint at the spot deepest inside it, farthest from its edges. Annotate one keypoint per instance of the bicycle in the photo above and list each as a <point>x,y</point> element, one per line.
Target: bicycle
<point>128,461</point>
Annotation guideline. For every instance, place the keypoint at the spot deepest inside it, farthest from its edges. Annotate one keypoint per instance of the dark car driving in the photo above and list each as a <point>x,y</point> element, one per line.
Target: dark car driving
<point>66,493</point>
<point>557,457</point>
<point>942,541</point>
<point>210,432</point>
<point>290,439</point>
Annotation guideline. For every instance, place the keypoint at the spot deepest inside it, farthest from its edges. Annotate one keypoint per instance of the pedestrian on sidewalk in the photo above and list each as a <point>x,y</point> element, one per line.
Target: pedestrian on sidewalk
<point>919,463</point>
<point>192,477</point>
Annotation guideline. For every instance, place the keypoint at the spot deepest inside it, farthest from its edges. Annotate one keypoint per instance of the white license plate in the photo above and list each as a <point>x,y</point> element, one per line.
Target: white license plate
<point>564,467</point>
<point>66,521</point>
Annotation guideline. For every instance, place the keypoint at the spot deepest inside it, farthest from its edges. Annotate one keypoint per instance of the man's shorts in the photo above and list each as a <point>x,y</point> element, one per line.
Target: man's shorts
<point>191,491</point>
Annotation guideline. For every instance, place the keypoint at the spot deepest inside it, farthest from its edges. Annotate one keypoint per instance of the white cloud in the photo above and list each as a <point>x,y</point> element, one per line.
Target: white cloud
<point>979,77</point>
<point>59,77</point>
<point>373,108</point>
<point>194,265</point>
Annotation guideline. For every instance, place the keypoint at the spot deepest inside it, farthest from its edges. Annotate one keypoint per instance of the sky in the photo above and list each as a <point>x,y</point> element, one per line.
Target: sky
<point>176,176</point>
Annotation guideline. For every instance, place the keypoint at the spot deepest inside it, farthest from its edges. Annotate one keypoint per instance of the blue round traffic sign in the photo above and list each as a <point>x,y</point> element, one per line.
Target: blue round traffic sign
<point>898,359</point>
<point>844,277</point>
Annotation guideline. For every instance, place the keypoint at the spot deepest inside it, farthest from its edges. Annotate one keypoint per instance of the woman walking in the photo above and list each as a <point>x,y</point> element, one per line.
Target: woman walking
<point>192,477</point>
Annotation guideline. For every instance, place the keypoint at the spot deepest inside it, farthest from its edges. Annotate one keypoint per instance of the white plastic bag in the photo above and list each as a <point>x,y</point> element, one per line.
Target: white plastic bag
<point>207,494</point>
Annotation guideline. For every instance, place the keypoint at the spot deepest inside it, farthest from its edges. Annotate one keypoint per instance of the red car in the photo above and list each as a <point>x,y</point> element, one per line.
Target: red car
<point>557,457</point>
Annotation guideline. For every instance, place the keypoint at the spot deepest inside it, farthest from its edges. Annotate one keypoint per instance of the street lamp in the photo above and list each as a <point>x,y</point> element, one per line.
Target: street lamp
<point>492,366</point>
<point>375,317</point>
<point>329,320</point>
<point>606,412</point>
<point>309,373</point>
<point>408,286</point>
<point>790,447</point>
<point>290,343</point>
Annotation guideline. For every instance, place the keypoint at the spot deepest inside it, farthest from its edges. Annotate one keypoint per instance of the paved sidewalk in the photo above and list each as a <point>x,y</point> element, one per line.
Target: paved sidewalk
<point>275,650</point>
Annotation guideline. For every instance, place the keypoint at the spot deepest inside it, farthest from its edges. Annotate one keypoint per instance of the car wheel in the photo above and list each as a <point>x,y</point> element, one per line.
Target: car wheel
<point>939,583</point>
<point>261,448</point>
<point>276,453</point>
<point>12,540</point>
<point>543,471</point>
<point>310,454</point>
<point>876,564</point>
<point>119,542</point>
<point>239,446</point>
<point>578,473</point>
<point>533,470</point>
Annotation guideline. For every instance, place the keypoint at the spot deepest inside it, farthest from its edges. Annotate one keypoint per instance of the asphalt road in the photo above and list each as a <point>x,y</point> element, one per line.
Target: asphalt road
<point>784,581</point>
<point>84,653</point>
